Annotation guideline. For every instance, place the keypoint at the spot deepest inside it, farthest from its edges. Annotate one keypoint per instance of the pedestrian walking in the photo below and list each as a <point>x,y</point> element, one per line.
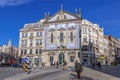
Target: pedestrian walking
<point>64,65</point>
<point>99,65</point>
<point>78,69</point>
<point>106,62</point>
<point>51,63</point>
<point>42,65</point>
<point>54,63</point>
<point>57,64</point>
<point>93,65</point>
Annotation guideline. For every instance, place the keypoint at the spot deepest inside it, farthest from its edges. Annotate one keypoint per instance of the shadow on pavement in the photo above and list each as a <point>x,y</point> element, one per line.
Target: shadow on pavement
<point>109,70</point>
<point>74,77</point>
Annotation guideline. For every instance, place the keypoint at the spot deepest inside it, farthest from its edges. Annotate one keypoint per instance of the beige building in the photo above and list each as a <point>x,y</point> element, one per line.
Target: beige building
<point>31,42</point>
<point>91,42</point>
<point>114,48</point>
<point>105,56</point>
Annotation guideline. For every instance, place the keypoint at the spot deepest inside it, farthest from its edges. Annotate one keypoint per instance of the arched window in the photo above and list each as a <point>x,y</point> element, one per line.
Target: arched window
<point>85,39</point>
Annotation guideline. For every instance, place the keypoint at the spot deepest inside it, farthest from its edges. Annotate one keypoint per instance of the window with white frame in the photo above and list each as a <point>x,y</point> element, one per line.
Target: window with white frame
<point>25,51</point>
<point>24,35</point>
<point>40,51</point>
<point>38,41</point>
<point>22,52</point>
<point>31,42</point>
<point>84,30</point>
<point>38,34</point>
<point>85,39</point>
<point>36,51</point>
<point>23,42</point>
<point>72,58</point>
<point>30,51</point>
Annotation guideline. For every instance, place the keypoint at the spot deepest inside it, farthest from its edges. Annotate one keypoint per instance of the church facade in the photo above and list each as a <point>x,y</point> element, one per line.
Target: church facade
<point>61,37</point>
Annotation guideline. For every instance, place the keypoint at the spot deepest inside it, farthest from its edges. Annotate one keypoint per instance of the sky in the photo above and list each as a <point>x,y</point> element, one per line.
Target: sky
<point>15,13</point>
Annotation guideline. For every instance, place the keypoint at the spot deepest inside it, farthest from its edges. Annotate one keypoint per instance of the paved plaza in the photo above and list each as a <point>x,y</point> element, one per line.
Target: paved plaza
<point>48,73</point>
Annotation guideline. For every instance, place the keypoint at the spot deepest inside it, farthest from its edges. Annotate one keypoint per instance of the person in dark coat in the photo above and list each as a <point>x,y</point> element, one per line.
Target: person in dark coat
<point>57,64</point>
<point>79,69</point>
<point>99,65</point>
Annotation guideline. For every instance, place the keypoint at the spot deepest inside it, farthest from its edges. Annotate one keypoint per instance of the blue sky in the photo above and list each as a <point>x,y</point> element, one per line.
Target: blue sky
<point>15,13</point>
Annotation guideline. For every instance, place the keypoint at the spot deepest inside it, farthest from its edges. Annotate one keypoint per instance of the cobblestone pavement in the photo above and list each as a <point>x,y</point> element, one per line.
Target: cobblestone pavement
<point>6,72</point>
<point>107,73</point>
<point>48,73</point>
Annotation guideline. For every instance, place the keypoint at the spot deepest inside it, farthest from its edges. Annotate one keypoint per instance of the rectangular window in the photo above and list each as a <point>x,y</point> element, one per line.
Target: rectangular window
<point>22,35</point>
<point>36,61</point>
<point>30,51</point>
<point>40,34</point>
<point>37,34</point>
<point>51,59</point>
<point>85,30</point>
<point>31,42</point>
<point>36,51</point>
<point>65,17</point>
<point>40,51</point>
<point>61,37</point>
<point>23,42</point>
<point>36,41</point>
<point>72,58</point>
<point>71,36</point>
<point>25,51</point>
<point>26,34</point>
<point>22,52</point>
<point>40,41</point>
<point>51,37</point>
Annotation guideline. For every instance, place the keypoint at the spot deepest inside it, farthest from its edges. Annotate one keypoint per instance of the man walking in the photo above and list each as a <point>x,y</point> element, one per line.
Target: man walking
<point>78,68</point>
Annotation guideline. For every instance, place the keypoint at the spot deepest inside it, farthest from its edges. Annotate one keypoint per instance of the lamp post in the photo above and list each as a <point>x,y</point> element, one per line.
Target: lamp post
<point>80,50</point>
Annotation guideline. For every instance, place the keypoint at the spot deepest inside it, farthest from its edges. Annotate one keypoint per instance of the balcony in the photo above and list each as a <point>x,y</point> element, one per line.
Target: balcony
<point>61,47</point>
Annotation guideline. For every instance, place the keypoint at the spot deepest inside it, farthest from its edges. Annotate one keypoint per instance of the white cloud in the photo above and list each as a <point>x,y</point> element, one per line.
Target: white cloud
<point>12,2</point>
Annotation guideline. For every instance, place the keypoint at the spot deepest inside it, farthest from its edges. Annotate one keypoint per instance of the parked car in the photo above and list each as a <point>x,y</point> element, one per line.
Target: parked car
<point>4,65</point>
<point>16,65</point>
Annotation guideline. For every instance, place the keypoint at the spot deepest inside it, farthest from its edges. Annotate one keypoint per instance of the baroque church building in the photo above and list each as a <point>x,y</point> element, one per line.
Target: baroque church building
<point>59,38</point>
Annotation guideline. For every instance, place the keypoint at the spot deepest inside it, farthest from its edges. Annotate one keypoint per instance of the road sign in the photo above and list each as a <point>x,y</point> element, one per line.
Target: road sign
<point>25,59</point>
